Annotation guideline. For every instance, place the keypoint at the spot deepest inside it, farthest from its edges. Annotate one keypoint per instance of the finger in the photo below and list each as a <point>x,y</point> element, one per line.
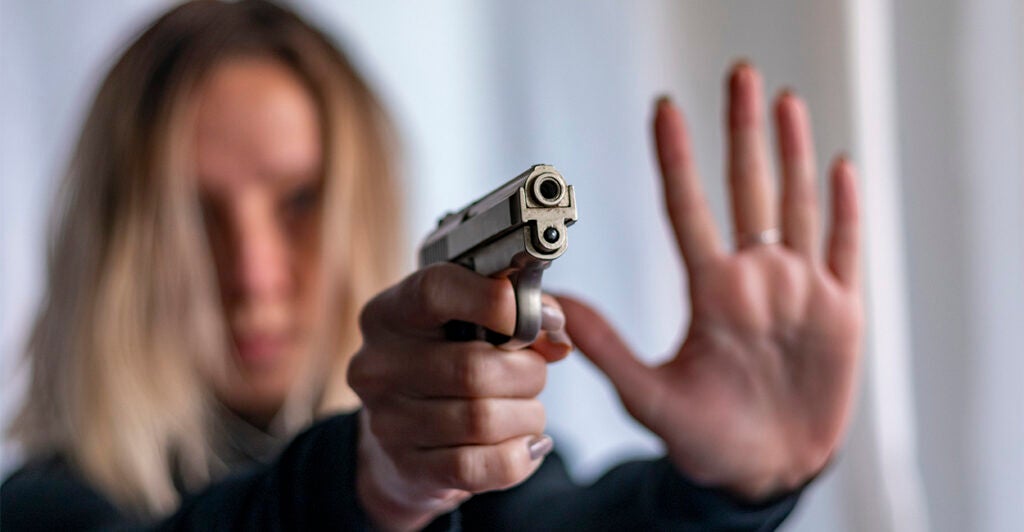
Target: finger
<point>553,346</point>
<point>750,182</point>
<point>799,191</point>
<point>552,317</point>
<point>843,249</point>
<point>432,423</point>
<point>440,293</point>
<point>481,468</point>
<point>470,370</point>
<point>687,207</point>
<point>552,343</point>
<point>605,348</point>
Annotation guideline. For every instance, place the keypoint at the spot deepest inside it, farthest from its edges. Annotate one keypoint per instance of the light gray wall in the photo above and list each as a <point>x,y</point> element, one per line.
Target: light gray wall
<point>480,90</point>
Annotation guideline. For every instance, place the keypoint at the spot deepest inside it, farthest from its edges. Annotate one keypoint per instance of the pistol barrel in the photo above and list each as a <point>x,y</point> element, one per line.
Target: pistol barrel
<point>533,209</point>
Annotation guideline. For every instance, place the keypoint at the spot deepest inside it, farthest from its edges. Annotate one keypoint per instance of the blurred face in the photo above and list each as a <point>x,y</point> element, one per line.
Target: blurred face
<point>259,169</point>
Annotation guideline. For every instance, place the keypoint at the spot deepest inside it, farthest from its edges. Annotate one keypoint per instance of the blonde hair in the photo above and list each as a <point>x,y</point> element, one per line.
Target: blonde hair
<point>130,326</point>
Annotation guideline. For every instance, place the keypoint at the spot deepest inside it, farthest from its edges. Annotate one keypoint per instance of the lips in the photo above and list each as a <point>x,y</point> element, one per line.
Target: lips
<point>260,350</point>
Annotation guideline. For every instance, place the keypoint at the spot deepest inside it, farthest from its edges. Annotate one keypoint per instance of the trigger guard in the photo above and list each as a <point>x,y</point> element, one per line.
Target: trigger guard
<point>526,283</point>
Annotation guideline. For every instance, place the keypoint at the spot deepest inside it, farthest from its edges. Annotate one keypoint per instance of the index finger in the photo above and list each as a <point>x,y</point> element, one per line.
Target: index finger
<point>440,293</point>
<point>687,208</point>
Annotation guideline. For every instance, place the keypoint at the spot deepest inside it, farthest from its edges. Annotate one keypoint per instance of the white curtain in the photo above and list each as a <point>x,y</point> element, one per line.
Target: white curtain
<point>925,96</point>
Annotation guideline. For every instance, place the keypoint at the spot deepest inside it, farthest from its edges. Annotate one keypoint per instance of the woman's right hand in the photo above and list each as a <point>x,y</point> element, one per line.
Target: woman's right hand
<point>443,420</point>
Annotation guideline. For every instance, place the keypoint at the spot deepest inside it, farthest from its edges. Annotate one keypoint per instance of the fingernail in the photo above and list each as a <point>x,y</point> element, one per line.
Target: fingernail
<point>560,337</point>
<point>540,446</point>
<point>551,318</point>
<point>664,99</point>
<point>740,64</point>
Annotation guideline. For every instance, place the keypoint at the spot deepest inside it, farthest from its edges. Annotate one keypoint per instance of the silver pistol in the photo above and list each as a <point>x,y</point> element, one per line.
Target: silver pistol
<point>514,232</point>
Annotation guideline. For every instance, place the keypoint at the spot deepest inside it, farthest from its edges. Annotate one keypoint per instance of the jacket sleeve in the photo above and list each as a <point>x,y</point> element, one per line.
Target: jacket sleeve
<point>641,495</point>
<point>309,487</point>
<point>312,487</point>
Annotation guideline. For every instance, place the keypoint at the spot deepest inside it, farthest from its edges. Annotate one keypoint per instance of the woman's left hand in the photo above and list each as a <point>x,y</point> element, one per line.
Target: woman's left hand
<point>757,397</point>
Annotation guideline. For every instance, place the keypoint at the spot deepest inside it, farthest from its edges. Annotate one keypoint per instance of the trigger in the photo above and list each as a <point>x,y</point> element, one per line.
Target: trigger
<point>526,283</point>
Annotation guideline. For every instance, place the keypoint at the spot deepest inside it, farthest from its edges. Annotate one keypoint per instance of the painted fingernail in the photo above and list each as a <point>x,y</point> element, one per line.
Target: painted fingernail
<point>663,100</point>
<point>551,318</point>
<point>540,446</point>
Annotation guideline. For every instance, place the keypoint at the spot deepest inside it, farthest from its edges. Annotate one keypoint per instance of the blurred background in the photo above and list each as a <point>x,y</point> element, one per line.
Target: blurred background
<point>927,96</point>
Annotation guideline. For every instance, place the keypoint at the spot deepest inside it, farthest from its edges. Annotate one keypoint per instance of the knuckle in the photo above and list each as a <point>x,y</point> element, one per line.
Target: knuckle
<point>427,286</point>
<point>801,197</point>
<point>479,419</point>
<point>360,374</point>
<point>463,472</point>
<point>368,315</point>
<point>507,470</point>
<point>483,470</point>
<point>536,375</point>
<point>746,167</point>
<point>538,415</point>
<point>372,374</point>
<point>684,205</point>
<point>471,373</point>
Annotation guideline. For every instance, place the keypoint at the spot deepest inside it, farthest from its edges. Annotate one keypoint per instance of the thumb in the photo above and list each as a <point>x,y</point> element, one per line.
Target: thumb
<point>601,343</point>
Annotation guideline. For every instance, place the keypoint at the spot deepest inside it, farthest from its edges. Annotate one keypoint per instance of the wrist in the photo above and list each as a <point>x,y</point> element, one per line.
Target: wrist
<point>767,482</point>
<point>390,502</point>
<point>783,482</point>
<point>757,491</point>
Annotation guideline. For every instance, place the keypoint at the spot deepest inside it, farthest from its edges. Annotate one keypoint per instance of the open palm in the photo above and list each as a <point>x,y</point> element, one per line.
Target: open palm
<point>757,397</point>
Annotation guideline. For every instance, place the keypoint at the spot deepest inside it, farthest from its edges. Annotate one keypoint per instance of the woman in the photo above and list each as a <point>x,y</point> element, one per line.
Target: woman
<point>227,219</point>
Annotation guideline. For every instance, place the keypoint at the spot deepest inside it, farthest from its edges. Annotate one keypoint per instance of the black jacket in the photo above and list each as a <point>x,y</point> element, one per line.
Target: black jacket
<point>311,486</point>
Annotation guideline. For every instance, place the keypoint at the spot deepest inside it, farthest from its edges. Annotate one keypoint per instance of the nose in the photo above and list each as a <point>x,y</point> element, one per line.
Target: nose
<point>262,257</point>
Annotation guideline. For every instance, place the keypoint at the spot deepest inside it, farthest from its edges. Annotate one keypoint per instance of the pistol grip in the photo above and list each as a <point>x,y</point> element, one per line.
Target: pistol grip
<point>526,282</point>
